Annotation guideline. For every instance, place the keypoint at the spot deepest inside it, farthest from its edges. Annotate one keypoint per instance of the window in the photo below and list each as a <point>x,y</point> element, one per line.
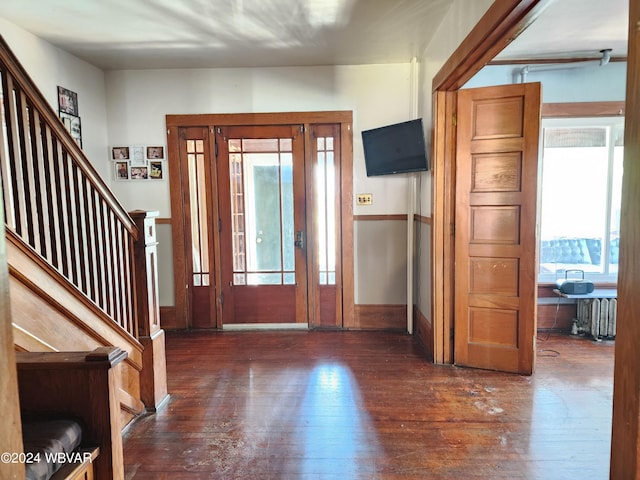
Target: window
<point>580,197</point>
<point>326,209</point>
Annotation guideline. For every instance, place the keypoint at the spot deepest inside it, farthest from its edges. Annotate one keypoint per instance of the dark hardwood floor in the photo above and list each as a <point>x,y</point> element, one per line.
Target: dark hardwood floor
<point>363,405</point>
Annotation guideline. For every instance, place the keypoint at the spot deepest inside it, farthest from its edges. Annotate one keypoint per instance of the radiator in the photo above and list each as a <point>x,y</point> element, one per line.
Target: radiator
<point>597,317</point>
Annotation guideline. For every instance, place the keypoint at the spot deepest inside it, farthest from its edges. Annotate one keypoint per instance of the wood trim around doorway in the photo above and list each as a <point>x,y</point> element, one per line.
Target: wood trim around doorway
<point>626,400</point>
<point>583,109</point>
<point>499,26</point>
<point>502,22</point>
<point>625,438</point>
<point>180,316</point>
<point>277,118</point>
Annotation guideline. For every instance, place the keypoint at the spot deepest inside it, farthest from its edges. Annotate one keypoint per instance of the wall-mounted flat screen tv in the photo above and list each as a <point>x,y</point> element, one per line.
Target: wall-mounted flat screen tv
<point>397,148</point>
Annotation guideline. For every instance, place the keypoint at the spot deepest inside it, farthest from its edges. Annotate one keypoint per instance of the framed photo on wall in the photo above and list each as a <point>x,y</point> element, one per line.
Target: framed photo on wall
<point>155,153</point>
<point>67,101</point>
<point>137,156</point>
<point>73,126</point>
<point>139,173</point>
<point>155,170</point>
<point>121,170</point>
<point>120,153</point>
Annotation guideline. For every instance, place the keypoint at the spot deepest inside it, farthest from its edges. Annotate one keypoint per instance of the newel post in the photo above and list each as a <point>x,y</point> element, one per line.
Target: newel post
<point>153,377</point>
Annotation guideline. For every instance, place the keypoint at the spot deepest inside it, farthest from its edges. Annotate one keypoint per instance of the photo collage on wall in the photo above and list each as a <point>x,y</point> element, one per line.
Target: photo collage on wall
<point>138,162</point>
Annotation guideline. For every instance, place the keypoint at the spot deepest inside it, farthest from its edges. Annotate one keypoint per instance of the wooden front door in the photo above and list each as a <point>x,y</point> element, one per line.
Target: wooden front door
<point>495,227</point>
<point>261,194</point>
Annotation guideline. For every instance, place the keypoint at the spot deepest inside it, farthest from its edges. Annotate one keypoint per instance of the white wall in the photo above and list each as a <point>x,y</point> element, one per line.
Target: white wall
<point>456,25</point>
<point>140,99</point>
<point>50,67</point>
<point>377,94</point>
<point>458,22</point>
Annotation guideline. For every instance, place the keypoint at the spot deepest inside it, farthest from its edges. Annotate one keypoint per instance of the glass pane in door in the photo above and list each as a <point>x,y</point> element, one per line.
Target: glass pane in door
<point>199,212</point>
<point>326,210</point>
<point>261,176</point>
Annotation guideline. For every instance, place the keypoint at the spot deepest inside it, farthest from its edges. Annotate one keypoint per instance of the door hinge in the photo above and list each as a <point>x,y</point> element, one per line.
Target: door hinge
<point>452,334</point>
<point>222,298</point>
<point>215,148</point>
<point>454,120</point>
<point>219,225</point>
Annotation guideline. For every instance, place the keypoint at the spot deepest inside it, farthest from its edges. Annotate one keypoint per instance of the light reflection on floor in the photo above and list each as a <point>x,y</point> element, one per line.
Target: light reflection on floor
<point>330,431</point>
<point>338,426</point>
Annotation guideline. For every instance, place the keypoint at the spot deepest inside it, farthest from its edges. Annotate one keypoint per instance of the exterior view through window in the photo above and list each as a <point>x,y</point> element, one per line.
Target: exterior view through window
<point>261,186</point>
<point>580,197</point>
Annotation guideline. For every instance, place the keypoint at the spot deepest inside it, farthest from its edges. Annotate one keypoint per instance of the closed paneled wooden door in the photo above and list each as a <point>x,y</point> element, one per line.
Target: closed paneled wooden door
<point>495,229</point>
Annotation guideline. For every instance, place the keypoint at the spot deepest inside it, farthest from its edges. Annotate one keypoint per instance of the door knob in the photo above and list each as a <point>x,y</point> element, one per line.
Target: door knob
<point>299,242</point>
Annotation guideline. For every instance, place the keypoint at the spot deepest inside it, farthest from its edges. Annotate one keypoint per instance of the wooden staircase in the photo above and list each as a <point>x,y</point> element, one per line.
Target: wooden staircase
<point>77,260</point>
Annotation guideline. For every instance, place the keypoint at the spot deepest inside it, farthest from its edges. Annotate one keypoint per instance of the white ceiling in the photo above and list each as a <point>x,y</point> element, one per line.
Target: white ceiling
<point>574,28</point>
<point>124,34</point>
<point>120,34</point>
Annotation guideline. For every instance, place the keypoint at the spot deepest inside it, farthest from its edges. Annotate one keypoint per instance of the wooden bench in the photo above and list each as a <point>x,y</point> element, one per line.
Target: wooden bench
<point>79,470</point>
<point>81,385</point>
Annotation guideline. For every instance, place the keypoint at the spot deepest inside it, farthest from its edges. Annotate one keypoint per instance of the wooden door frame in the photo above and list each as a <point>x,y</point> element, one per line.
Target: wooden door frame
<point>625,442</point>
<point>495,30</point>
<point>500,24</point>
<point>180,257</point>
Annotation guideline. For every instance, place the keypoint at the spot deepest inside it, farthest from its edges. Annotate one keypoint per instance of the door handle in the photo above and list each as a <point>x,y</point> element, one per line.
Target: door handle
<point>299,242</point>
